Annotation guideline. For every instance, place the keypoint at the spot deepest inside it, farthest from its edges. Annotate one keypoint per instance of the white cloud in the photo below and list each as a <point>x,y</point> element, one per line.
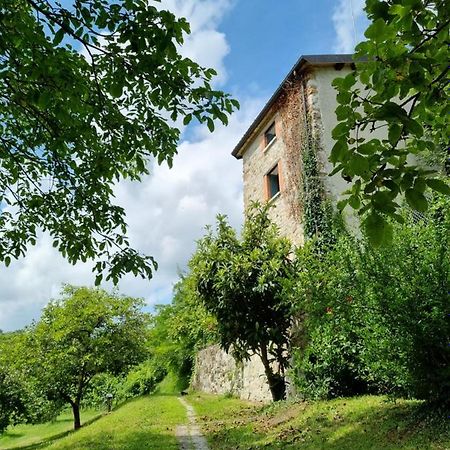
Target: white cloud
<point>349,21</point>
<point>205,45</point>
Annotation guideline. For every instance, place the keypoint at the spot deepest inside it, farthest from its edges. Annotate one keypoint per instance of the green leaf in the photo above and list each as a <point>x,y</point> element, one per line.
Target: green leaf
<point>338,151</point>
<point>339,130</point>
<point>416,200</point>
<point>438,186</point>
<point>359,164</point>
<point>379,31</point>
<point>399,10</point>
<point>116,90</point>
<point>354,201</point>
<point>59,35</point>
<point>341,204</point>
<point>187,119</point>
<point>395,131</point>
<point>414,127</point>
<point>210,124</point>
<point>377,229</point>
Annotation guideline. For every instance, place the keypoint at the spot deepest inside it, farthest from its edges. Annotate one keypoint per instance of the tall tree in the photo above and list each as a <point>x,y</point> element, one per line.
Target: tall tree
<point>405,76</point>
<point>85,333</point>
<point>90,94</point>
<point>239,281</point>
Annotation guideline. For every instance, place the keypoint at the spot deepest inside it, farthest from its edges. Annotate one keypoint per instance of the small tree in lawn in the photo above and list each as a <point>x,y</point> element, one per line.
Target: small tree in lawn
<point>85,333</point>
<point>239,281</point>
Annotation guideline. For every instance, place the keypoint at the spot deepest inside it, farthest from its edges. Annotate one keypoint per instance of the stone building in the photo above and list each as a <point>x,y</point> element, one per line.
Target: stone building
<point>298,119</point>
<point>300,114</point>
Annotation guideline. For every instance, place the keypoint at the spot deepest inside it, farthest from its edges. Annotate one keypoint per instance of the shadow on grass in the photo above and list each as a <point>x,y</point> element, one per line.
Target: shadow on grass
<point>134,440</point>
<point>382,426</point>
<point>53,438</point>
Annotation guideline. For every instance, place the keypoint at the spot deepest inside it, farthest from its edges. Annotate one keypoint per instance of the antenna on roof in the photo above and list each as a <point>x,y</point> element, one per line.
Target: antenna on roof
<point>354,24</point>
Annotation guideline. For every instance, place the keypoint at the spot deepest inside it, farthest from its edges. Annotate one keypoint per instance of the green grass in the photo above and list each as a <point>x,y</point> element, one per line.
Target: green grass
<point>143,423</point>
<point>360,423</point>
<point>26,436</point>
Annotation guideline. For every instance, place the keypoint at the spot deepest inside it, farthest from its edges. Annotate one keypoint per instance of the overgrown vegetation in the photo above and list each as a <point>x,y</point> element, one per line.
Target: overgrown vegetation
<point>376,320</point>
<point>180,329</point>
<point>363,423</point>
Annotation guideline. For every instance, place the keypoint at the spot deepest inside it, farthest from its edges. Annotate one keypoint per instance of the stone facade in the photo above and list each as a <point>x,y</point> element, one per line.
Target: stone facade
<point>216,372</point>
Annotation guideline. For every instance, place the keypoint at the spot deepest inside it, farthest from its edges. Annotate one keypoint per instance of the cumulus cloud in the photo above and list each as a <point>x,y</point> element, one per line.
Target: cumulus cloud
<point>205,45</point>
<point>349,22</point>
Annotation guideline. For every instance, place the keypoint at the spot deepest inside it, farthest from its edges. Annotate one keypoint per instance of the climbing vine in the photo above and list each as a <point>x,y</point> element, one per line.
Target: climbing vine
<point>304,184</point>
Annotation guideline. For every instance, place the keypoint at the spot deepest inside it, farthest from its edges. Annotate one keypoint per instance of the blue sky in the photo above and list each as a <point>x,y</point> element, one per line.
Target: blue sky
<point>252,44</point>
<point>266,40</point>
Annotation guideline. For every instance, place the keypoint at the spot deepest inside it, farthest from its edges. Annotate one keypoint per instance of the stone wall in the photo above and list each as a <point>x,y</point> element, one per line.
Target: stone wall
<point>216,372</point>
<point>257,162</point>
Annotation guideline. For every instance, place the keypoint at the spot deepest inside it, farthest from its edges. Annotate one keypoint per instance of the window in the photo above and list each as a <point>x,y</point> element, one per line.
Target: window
<point>269,135</point>
<point>272,182</point>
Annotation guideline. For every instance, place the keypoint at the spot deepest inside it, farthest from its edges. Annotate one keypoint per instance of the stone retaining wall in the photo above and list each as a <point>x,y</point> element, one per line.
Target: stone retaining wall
<point>216,372</point>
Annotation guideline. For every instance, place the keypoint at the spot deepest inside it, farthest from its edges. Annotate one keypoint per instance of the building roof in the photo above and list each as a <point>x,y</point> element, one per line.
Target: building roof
<point>303,61</point>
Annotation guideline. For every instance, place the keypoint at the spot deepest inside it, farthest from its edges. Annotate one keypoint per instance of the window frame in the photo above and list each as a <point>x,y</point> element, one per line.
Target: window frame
<point>267,182</point>
<point>266,142</point>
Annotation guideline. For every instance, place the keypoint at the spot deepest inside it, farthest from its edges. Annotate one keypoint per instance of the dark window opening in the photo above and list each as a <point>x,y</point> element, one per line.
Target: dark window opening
<point>273,182</point>
<point>270,134</point>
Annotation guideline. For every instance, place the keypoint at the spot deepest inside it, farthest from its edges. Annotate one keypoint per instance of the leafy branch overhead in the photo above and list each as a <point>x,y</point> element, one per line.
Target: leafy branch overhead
<point>401,101</point>
<point>72,126</point>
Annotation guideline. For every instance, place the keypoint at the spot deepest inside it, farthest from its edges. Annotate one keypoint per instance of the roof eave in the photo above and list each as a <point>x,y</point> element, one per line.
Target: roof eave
<point>303,61</point>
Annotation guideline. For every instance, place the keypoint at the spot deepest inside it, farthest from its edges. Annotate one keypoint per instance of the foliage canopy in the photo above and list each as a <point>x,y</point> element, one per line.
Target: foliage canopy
<point>404,75</point>
<point>239,281</point>
<point>85,333</point>
<point>71,126</point>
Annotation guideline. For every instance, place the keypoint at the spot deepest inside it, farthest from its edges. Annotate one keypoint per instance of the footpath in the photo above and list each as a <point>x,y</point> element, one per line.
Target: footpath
<point>189,436</point>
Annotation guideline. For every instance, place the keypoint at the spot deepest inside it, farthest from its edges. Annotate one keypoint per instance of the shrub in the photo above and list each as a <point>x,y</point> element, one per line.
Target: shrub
<point>376,320</point>
<point>143,379</point>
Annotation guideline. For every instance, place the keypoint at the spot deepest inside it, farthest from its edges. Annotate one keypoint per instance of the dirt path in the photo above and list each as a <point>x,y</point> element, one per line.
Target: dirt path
<point>190,436</point>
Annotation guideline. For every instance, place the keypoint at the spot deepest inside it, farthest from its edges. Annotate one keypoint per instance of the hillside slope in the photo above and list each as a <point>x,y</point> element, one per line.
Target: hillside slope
<point>144,423</point>
<point>360,423</point>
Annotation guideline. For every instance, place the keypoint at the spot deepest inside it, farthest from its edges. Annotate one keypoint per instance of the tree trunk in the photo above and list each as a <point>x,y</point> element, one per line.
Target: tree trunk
<point>76,415</point>
<point>277,384</point>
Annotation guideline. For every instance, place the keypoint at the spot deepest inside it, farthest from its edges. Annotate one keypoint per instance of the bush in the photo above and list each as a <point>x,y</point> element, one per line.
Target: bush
<point>376,320</point>
<point>143,379</point>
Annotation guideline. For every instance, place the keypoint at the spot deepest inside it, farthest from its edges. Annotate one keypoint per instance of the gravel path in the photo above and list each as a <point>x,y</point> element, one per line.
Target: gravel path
<point>190,436</point>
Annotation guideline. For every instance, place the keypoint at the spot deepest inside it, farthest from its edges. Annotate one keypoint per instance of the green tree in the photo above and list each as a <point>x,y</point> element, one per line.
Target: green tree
<point>404,76</point>
<point>85,333</point>
<point>20,401</point>
<point>12,404</point>
<point>179,330</point>
<point>239,281</point>
<point>72,126</point>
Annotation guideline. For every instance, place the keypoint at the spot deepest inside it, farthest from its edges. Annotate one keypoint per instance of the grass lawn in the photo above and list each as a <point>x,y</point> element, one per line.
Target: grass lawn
<point>143,423</point>
<point>360,423</point>
<point>25,436</point>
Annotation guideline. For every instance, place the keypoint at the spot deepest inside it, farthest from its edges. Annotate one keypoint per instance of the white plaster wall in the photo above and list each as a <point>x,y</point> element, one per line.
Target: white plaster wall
<point>326,103</point>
